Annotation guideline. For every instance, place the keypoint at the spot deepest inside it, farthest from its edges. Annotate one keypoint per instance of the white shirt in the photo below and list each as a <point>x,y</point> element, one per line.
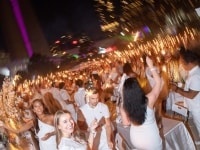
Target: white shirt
<point>79,97</point>
<point>71,144</point>
<point>64,94</point>
<point>193,83</point>
<point>101,110</point>
<point>56,94</point>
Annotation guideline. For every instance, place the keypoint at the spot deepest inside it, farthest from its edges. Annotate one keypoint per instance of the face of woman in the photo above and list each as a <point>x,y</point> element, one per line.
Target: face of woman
<point>66,124</point>
<point>38,107</point>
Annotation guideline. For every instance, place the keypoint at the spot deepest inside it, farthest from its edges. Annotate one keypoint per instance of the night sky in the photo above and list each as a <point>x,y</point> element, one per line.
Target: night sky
<point>66,16</point>
<point>2,45</point>
<point>60,17</point>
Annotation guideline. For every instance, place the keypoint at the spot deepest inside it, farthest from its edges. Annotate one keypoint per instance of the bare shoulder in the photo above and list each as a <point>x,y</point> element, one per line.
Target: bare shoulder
<point>49,119</point>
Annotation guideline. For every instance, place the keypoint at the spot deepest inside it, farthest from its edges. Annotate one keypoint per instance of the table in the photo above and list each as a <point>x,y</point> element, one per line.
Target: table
<point>174,133</point>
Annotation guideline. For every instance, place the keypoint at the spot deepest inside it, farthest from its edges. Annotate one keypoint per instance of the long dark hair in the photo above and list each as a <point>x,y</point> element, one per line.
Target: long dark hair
<point>134,101</point>
<point>35,120</point>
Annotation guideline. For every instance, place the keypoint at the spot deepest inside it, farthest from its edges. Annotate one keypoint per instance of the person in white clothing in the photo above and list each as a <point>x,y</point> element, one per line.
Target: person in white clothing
<point>79,95</point>
<point>67,137</point>
<point>69,105</point>
<point>189,59</point>
<point>138,110</point>
<point>56,94</point>
<point>127,73</point>
<point>42,124</point>
<point>62,97</point>
<point>95,110</point>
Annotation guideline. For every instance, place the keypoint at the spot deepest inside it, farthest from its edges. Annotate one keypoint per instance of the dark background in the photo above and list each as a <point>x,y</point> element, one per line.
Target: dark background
<point>60,17</point>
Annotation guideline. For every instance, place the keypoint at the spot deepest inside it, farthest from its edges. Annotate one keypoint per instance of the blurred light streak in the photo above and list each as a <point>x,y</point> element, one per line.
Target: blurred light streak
<point>21,25</point>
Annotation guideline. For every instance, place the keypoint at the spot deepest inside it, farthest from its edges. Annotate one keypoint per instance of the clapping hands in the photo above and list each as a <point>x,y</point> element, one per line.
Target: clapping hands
<point>94,125</point>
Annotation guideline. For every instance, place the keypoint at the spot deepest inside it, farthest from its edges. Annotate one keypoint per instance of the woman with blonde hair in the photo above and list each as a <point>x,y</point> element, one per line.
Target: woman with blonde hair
<point>67,136</point>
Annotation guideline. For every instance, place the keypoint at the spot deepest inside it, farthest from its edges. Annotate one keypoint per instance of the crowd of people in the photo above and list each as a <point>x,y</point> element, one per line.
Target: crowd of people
<point>79,110</point>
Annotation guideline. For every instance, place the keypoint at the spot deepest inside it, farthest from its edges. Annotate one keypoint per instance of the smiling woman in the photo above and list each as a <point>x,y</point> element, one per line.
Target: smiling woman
<point>42,123</point>
<point>66,134</point>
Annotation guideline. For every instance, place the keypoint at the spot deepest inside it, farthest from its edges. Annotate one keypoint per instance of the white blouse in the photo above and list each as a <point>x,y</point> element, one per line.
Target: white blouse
<point>71,144</point>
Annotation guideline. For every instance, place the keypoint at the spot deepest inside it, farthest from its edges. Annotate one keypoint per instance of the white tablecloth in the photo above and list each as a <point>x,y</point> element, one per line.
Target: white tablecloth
<point>175,135</point>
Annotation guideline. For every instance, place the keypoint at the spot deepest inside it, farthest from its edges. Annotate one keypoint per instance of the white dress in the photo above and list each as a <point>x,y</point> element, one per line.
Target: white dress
<point>71,144</point>
<point>50,143</point>
<point>79,97</point>
<point>146,136</point>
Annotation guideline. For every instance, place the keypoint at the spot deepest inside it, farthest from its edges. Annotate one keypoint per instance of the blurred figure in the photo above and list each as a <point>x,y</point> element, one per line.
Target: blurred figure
<point>69,105</point>
<point>127,72</point>
<point>56,94</point>
<point>79,95</point>
<point>52,104</point>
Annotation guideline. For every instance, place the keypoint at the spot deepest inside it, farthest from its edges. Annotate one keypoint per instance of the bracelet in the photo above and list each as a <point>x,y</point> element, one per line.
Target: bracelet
<point>153,69</point>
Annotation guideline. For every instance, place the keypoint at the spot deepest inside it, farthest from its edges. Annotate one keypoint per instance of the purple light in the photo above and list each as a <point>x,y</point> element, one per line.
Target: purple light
<point>21,26</point>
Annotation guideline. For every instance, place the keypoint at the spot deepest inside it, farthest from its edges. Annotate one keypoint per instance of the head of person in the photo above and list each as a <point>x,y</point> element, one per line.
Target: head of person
<point>127,69</point>
<point>93,97</point>
<point>53,84</point>
<point>64,125</point>
<point>134,101</point>
<point>61,85</point>
<point>38,107</point>
<point>79,83</point>
<point>188,58</point>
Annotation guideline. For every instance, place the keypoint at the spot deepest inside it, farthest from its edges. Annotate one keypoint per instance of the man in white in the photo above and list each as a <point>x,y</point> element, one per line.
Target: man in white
<point>191,91</point>
<point>79,95</point>
<point>95,110</point>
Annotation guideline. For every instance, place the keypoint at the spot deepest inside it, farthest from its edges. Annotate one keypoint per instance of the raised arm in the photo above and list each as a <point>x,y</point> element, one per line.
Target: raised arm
<point>23,128</point>
<point>154,93</point>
